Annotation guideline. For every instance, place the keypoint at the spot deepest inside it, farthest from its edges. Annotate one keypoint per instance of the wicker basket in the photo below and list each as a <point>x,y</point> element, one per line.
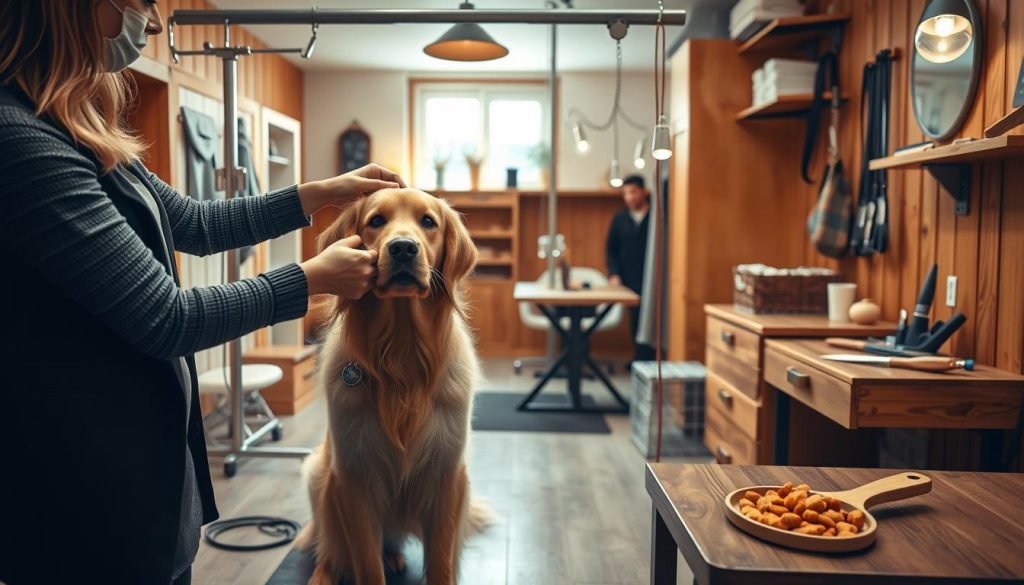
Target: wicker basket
<point>783,291</point>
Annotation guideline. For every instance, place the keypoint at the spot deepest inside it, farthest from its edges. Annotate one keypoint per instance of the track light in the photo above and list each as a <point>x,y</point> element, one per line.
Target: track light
<point>307,53</point>
<point>639,162</point>
<point>616,174</point>
<point>580,137</point>
<point>661,143</point>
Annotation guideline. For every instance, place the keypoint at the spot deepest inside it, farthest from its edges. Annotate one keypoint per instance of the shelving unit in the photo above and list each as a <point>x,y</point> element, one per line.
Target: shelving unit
<point>784,106</point>
<point>790,34</point>
<point>283,169</point>
<point>491,217</point>
<point>951,164</point>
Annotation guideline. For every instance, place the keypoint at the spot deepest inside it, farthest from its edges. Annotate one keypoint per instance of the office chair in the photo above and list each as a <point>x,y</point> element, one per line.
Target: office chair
<point>533,319</point>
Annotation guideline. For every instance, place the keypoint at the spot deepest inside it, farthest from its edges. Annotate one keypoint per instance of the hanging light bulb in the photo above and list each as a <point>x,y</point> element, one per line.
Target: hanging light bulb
<point>616,174</point>
<point>639,162</point>
<point>945,31</point>
<point>580,137</point>
<point>661,143</point>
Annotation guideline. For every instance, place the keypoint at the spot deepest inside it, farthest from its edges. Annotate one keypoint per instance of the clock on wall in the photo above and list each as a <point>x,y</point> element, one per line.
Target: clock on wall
<point>354,147</point>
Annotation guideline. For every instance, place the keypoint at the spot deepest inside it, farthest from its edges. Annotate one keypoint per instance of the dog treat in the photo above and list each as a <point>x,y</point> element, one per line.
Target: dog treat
<point>795,509</point>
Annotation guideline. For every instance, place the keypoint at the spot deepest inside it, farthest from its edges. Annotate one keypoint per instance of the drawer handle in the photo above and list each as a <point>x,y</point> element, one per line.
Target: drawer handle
<point>722,455</point>
<point>728,337</point>
<point>725,396</point>
<point>798,378</point>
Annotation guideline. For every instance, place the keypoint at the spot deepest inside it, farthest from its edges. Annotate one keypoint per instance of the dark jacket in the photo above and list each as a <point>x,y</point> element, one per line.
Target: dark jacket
<point>626,249</point>
<point>92,412</point>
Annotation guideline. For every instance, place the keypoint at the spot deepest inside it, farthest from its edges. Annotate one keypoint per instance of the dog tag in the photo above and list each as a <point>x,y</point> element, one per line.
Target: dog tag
<point>352,374</point>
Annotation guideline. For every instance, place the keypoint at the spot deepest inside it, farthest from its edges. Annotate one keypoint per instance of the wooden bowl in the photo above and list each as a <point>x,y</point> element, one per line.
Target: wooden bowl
<point>888,489</point>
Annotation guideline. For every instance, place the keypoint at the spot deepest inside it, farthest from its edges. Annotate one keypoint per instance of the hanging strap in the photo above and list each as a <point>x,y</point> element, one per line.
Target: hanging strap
<point>871,227</point>
<point>827,65</point>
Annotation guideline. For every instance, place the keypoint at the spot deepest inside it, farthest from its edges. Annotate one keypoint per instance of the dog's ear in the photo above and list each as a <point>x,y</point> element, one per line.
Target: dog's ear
<point>460,252</point>
<point>346,225</point>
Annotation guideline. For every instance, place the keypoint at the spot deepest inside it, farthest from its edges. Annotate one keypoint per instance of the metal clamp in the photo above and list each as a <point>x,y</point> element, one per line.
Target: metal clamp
<point>798,378</point>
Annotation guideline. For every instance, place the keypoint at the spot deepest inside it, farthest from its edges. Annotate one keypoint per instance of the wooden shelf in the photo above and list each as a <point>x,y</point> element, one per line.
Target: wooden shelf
<point>278,160</point>
<point>494,262</point>
<point>492,234</point>
<point>951,164</point>
<point>1000,147</point>
<point>791,33</point>
<point>784,106</point>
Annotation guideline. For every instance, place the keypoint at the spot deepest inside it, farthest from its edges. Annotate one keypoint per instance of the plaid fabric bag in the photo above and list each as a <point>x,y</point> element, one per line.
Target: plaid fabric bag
<point>831,218</point>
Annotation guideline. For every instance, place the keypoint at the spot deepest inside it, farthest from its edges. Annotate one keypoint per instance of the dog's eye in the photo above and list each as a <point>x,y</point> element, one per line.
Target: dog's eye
<point>377,221</point>
<point>428,222</point>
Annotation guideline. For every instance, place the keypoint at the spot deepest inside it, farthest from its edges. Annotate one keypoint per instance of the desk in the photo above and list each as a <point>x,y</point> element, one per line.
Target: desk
<point>574,304</point>
<point>967,530</point>
<point>864,396</point>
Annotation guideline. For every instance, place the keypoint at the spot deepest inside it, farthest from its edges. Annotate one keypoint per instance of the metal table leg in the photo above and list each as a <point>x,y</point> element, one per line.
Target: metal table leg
<point>663,552</point>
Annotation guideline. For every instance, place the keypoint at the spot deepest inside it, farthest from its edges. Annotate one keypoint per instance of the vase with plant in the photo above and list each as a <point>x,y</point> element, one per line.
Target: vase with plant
<point>474,160</point>
<point>440,162</point>
<point>540,155</point>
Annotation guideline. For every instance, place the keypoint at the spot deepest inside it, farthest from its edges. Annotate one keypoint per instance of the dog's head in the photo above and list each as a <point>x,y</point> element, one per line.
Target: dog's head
<point>423,247</point>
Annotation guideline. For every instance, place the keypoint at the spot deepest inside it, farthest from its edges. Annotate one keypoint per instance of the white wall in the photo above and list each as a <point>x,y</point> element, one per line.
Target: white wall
<point>377,99</point>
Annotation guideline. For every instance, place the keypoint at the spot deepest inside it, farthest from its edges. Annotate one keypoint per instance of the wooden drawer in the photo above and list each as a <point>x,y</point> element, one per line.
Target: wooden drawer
<point>734,341</point>
<point>305,377</point>
<point>726,442</point>
<point>733,404</point>
<point>824,393</point>
<point>738,374</point>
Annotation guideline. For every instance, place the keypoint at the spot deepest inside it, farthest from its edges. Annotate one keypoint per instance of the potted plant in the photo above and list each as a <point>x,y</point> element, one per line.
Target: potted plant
<point>474,160</point>
<point>440,162</point>
<point>540,155</point>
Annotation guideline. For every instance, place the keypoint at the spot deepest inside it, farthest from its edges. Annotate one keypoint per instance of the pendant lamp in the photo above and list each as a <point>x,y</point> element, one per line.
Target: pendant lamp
<point>466,41</point>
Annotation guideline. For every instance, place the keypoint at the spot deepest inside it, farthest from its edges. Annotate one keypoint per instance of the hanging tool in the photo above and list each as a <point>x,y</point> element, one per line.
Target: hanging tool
<point>871,227</point>
<point>924,364</point>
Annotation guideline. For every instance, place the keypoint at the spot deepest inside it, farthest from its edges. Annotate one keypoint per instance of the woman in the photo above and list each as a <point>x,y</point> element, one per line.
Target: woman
<point>104,476</point>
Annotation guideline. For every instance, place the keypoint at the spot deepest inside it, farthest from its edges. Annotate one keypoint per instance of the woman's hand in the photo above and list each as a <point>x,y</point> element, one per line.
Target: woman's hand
<point>342,269</point>
<point>344,188</point>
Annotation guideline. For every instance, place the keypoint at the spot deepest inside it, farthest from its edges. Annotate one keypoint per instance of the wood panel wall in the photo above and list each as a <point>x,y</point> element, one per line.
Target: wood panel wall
<point>265,78</point>
<point>984,249</point>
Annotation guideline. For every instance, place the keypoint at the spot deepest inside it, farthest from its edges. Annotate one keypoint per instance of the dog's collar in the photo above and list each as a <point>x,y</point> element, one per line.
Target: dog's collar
<point>352,374</point>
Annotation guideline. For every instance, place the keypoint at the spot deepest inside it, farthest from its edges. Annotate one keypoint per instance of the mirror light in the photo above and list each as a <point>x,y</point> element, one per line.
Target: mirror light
<point>661,143</point>
<point>945,31</point>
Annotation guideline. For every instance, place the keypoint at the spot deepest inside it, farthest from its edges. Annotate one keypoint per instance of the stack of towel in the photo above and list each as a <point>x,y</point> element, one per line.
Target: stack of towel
<point>780,77</point>
<point>750,15</point>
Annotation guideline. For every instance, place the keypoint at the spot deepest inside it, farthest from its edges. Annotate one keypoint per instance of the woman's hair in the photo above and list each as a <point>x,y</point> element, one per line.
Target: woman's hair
<point>53,51</point>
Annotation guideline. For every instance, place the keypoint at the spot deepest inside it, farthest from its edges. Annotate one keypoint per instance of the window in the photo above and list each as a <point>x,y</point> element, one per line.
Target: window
<point>504,123</point>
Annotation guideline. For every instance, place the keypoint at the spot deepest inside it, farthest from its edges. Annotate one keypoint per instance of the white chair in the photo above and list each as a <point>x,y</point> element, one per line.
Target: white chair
<point>534,319</point>
<point>255,377</point>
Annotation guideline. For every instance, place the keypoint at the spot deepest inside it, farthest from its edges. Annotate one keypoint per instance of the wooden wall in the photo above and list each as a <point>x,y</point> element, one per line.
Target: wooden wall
<point>266,78</point>
<point>984,249</point>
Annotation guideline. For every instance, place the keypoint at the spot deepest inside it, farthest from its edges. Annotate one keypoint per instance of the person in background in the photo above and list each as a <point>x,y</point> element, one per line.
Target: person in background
<point>105,477</point>
<point>627,248</point>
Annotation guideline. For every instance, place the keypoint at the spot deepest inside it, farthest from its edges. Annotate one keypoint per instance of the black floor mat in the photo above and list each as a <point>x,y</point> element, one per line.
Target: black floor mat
<point>297,568</point>
<point>496,411</point>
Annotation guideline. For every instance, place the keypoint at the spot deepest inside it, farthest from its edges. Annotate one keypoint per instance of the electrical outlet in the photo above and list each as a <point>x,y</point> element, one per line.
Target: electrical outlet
<point>950,291</point>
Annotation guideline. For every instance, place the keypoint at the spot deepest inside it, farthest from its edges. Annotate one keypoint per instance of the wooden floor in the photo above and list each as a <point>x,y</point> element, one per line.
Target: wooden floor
<point>572,507</point>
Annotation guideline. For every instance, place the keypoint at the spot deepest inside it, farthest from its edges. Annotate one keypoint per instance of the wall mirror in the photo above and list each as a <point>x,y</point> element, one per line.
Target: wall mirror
<point>946,66</point>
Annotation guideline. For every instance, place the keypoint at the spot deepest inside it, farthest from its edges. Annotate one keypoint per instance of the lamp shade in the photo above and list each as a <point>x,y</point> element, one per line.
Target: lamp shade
<point>615,176</point>
<point>466,41</point>
<point>945,31</point>
<point>661,143</point>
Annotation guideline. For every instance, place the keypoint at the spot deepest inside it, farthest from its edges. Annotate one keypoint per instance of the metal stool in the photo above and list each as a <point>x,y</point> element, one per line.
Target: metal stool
<point>255,377</point>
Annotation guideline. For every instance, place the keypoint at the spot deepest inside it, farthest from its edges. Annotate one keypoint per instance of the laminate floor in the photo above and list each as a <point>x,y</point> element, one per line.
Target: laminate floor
<point>572,508</point>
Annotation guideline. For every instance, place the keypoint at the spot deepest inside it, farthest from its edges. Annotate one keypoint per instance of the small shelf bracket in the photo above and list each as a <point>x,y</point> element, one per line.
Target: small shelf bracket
<point>956,180</point>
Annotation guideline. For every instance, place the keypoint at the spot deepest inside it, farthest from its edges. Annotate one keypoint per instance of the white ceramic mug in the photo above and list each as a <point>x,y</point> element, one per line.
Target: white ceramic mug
<point>841,296</point>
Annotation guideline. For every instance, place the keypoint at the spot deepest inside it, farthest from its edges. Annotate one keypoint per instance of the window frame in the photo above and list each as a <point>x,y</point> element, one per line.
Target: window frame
<point>487,91</point>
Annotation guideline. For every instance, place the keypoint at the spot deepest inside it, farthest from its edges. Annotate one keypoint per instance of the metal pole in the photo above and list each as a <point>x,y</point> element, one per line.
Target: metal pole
<point>288,16</point>
<point>552,178</point>
<point>230,63</point>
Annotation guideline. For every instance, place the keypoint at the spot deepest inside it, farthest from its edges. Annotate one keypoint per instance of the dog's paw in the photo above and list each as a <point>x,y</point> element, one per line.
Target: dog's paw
<point>394,562</point>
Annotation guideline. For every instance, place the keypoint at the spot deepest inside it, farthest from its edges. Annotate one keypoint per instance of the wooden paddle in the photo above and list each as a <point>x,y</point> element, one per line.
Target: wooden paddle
<point>888,489</point>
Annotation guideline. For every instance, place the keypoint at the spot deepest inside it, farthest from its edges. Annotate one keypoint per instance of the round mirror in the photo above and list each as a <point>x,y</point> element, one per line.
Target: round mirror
<point>946,66</point>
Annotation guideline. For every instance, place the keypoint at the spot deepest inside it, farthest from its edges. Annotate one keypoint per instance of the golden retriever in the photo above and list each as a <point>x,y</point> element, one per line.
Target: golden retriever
<point>393,463</point>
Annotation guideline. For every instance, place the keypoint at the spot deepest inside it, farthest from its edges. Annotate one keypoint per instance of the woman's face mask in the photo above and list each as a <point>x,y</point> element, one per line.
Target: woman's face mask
<point>120,51</point>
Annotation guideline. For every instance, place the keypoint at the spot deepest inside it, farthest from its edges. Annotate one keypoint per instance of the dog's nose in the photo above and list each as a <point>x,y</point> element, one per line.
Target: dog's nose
<point>403,249</point>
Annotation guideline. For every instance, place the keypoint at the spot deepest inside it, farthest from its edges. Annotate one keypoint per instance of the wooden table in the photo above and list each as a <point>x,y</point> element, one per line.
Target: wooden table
<point>967,530</point>
<point>865,396</point>
<point>576,305</point>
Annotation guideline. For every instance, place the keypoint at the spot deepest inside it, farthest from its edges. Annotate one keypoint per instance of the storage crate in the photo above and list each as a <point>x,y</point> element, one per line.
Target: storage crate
<point>763,289</point>
<point>682,413</point>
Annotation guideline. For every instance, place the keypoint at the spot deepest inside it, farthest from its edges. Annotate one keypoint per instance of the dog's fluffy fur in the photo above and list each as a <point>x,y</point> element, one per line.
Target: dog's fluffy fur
<point>393,463</point>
